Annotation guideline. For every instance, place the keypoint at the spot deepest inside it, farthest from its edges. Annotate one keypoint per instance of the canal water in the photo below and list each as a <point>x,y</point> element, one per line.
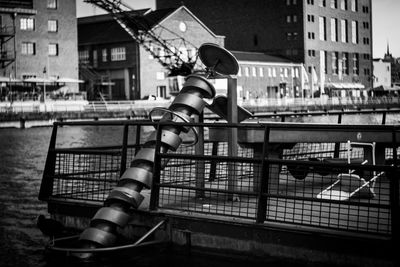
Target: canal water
<point>22,158</point>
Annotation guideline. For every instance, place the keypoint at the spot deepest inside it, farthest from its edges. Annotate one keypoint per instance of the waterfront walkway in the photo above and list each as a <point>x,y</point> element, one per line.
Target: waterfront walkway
<point>254,105</point>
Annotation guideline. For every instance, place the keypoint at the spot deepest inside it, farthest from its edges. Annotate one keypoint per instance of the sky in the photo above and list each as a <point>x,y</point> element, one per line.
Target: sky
<point>385,22</point>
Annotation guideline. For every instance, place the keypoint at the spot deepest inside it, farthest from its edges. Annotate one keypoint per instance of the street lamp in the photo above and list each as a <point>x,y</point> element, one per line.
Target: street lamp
<point>44,88</point>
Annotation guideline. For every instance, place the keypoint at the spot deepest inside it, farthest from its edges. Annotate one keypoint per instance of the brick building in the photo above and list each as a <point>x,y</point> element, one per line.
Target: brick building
<point>333,38</point>
<point>108,55</point>
<point>38,39</point>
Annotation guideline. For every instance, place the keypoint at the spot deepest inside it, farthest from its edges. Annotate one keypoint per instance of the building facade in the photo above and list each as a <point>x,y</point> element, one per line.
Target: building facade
<point>382,73</point>
<point>38,39</point>
<point>108,55</point>
<point>333,38</point>
<point>264,76</point>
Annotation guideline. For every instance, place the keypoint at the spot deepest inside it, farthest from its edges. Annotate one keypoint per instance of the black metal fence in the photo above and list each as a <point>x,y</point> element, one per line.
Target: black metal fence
<point>258,173</point>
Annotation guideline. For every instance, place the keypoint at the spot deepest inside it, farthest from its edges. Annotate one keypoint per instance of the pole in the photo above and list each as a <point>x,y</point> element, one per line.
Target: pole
<point>44,88</point>
<point>232,134</point>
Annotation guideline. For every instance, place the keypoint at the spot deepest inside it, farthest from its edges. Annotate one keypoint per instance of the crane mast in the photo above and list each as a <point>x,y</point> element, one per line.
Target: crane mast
<point>167,52</point>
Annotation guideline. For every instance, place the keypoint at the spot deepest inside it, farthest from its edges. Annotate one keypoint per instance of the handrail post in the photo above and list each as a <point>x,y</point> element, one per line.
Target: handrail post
<point>384,117</point>
<point>337,145</point>
<point>155,187</point>
<point>124,149</point>
<point>46,187</point>
<point>394,192</point>
<point>137,141</point>
<point>263,188</point>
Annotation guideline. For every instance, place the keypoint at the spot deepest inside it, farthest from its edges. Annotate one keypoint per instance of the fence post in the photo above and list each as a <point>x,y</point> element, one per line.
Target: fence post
<point>384,117</point>
<point>337,145</point>
<point>124,149</point>
<point>137,141</point>
<point>263,189</point>
<point>394,193</point>
<point>155,187</point>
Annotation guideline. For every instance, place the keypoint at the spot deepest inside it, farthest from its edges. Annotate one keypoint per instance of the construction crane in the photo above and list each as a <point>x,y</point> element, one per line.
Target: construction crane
<point>168,52</point>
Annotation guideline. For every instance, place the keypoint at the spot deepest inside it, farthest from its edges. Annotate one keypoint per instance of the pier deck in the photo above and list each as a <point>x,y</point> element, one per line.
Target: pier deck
<point>252,192</point>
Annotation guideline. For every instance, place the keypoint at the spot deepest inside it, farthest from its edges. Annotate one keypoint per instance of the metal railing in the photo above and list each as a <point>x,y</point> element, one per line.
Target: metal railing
<point>268,179</point>
<point>256,106</point>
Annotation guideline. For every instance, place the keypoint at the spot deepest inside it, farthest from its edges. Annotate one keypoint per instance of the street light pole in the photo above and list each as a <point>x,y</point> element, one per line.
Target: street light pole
<point>44,89</point>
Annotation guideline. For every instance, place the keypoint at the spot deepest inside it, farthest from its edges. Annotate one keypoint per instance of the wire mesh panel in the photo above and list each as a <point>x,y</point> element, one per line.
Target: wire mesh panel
<point>185,186</point>
<point>331,198</point>
<point>310,184</point>
<point>86,176</point>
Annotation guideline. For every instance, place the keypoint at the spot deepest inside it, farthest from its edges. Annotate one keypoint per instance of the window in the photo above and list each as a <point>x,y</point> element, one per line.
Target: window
<point>261,71</point>
<point>83,56</point>
<point>343,24</point>
<point>95,59</point>
<point>273,72</point>
<point>365,9</point>
<point>366,56</point>
<point>27,24</point>
<point>346,63</point>
<point>118,54</point>
<point>52,25</point>
<point>28,48</point>
<point>311,35</point>
<point>322,3</point>
<point>53,49</point>
<point>269,72</point>
<point>334,30</point>
<point>355,64</point>
<point>343,4</point>
<point>366,72</point>
<point>288,36</point>
<point>354,5</point>
<point>366,40</point>
<point>295,35</point>
<point>104,55</point>
<point>322,28</point>
<point>254,71</point>
<point>323,62</point>
<point>334,4</point>
<point>366,25</point>
<point>310,2</point>
<point>354,32</point>
<point>289,2</point>
<point>335,63</point>
<point>310,18</point>
<point>52,4</point>
<point>291,18</point>
<point>311,53</point>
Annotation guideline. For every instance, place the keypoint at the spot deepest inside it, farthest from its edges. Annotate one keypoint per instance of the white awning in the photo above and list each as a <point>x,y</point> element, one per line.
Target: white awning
<point>68,80</point>
<point>345,85</point>
<point>38,80</point>
<point>8,80</point>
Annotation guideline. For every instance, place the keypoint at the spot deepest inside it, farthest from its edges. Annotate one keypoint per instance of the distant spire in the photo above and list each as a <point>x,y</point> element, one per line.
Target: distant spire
<point>387,50</point>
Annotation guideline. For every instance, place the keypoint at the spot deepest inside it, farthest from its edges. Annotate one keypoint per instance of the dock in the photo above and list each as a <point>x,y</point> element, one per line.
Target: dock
<point>252,202</point>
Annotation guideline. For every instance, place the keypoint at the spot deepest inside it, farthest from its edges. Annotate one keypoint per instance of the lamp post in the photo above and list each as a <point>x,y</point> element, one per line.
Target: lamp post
<point>44,88</point>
